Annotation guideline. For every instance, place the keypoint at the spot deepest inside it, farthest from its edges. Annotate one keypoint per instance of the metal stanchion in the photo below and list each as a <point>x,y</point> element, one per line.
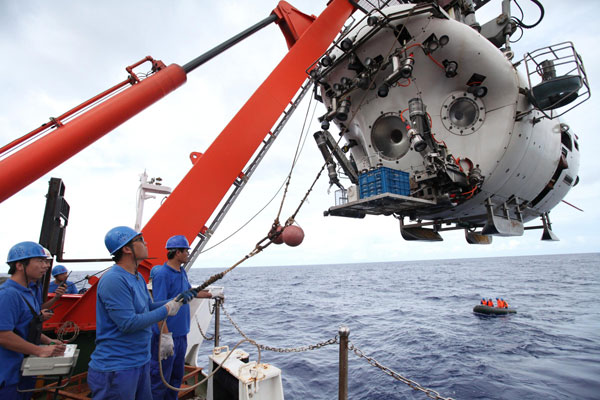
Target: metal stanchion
<point>217,320</point>
<point>344,333</point>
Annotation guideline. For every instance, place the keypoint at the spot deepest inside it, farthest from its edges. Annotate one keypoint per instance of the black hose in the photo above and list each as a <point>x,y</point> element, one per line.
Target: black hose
<point>541,7</point>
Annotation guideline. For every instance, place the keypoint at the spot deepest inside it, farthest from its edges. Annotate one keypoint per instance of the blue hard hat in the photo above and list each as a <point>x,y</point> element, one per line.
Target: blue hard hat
<point>25,250</point>
<point>59,269</point>
<point>118,237</point>
<point>177,242</point>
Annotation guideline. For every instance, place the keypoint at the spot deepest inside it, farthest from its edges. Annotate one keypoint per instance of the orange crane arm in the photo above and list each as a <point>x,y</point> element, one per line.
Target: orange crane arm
<point>192,202</point>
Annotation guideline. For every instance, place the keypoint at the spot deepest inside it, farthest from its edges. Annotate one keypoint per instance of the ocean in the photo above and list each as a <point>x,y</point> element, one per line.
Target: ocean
<point>417,319</point>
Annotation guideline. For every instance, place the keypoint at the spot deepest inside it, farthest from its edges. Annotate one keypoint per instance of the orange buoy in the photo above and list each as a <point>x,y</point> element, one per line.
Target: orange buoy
<point>292,235</point>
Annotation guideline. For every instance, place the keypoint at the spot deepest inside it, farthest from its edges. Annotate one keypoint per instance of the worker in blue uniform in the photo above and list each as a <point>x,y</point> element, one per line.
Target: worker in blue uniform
<point>37,288</point>
<point>120,364</point>
<point>168,280</point>
<point>60,274</point>
<point>20,321</point>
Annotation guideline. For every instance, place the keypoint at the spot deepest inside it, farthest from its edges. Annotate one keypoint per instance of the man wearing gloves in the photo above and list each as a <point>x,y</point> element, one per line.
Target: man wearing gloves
<point>120,364</point>
<point>168,280</point>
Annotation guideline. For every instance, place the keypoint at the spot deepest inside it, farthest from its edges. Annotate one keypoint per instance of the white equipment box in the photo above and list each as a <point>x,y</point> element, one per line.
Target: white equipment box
<point>240,379</point>
<point>60,365</point>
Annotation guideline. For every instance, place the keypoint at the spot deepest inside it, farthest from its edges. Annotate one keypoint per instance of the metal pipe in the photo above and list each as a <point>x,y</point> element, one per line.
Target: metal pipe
<point>217,320</point>
<point>198,61</point>
<point>344,333</point>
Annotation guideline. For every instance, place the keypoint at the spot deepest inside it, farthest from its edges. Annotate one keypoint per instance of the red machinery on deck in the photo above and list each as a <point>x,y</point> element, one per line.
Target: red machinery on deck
<point>211,176</point>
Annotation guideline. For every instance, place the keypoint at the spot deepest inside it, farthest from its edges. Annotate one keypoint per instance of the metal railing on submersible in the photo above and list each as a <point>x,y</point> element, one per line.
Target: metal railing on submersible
<point>343,339</point>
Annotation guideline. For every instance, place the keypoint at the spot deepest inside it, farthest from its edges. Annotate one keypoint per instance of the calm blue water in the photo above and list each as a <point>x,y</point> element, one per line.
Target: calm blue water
<point>416,318</point>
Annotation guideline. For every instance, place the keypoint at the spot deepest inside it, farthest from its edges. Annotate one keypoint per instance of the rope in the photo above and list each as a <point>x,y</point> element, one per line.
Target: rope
<point>68,326</point>
<point>295,160</point>
<point>190,388</point>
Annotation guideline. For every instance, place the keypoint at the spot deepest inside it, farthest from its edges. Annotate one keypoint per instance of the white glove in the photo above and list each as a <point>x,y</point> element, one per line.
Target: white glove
<point>166,346</point>
<point>172,307</point>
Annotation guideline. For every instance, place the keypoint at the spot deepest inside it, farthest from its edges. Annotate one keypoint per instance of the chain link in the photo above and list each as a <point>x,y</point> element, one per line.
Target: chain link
<point>333,340</point>
<point>202,333</point>
<point>432,394</point>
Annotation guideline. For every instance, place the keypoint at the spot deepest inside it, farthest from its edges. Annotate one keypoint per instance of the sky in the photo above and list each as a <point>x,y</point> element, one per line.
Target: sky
<point>58,54</point>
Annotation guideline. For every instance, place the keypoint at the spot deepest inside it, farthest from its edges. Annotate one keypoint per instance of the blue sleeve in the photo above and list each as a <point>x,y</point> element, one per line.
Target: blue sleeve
<point>130,312</point>
<point>9,317</point>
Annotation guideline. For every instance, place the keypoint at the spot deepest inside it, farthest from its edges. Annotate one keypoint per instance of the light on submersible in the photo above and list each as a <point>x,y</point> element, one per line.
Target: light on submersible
<point>326,61</point>
<point>406,69</point>
<point>451,68</point>
<point>477,91</point>
<point>347,44</point>
<point>416,140</point>
<point>383,90</point>
<point>343,110</point>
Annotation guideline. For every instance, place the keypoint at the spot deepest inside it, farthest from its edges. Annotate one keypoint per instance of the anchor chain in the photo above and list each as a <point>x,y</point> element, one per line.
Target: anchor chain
<point>316,346</point>
<point>432,394</point>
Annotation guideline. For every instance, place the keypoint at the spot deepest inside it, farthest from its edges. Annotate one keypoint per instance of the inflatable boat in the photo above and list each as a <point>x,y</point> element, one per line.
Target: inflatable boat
<point>481,309</point>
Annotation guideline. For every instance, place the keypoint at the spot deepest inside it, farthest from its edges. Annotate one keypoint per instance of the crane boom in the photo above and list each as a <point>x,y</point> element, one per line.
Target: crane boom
<point>51,150</point>
<point>192,202</point>
<point>207,182</point>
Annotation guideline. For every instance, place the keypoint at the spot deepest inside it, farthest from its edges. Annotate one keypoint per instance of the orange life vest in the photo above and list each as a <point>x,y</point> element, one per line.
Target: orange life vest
<point>490,303</point>
<point>500,303</point>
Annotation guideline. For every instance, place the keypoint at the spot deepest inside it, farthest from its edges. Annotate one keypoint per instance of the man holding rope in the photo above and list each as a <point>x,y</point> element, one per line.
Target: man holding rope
<point>168,280</point>
<point>120,364</point>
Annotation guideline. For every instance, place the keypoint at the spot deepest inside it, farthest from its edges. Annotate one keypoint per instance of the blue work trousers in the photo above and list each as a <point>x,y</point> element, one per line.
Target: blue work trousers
<point>11,392</point>
<point>128,384</point>
<point>173,368</point>
<point>8,392</point>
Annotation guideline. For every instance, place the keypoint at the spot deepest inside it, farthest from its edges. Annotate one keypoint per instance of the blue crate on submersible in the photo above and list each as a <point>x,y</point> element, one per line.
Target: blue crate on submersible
<point>384,180</point>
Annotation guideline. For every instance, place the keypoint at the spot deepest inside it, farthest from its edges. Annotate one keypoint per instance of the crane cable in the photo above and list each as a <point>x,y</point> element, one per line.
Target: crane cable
<point>268,240</point>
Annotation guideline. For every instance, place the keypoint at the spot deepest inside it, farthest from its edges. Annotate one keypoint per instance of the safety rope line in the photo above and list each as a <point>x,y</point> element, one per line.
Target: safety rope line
<point>295,160</point>
<point>266,205</point>
<point>412,384</point>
